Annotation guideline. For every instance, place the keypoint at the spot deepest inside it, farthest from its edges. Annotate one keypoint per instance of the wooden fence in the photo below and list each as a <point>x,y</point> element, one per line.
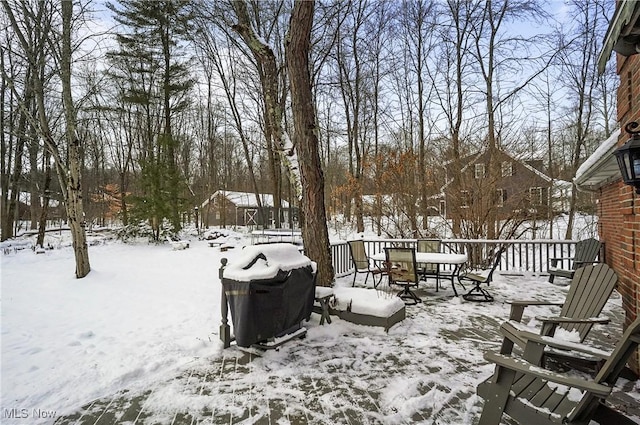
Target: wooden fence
<point>519,255</point>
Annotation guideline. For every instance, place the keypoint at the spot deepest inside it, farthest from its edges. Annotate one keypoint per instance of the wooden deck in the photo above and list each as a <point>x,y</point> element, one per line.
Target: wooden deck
<point>430,378</point>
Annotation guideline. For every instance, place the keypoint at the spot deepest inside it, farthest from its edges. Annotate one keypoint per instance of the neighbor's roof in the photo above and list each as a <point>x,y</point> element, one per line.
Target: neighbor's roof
<point>601,167</point>
<point>245,199</point>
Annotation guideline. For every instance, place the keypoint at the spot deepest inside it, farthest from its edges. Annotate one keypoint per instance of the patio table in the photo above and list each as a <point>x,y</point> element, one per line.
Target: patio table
<point>457,260</point>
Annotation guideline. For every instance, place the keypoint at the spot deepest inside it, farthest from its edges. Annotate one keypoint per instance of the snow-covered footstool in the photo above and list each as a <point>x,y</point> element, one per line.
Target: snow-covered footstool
<point>366,306</point>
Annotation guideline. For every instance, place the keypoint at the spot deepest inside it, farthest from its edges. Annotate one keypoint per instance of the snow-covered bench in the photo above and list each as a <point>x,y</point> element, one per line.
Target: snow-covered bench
<point>178,243</point>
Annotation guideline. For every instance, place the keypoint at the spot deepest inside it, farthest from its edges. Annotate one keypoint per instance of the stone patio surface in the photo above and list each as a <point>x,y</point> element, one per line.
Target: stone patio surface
<point>424,370</point>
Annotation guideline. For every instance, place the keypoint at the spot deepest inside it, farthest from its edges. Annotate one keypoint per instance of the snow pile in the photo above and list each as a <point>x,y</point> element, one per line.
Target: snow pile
<point>367,301</point>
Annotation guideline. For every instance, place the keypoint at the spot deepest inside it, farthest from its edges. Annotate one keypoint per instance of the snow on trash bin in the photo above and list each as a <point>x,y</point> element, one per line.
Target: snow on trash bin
<point>269,290</point>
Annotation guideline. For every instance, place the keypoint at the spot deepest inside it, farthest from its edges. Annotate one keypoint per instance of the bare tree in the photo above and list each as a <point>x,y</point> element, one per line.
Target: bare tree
<point>498,54</point>
<point>314,230</point>
<point>449,71</point>
<point>68,169</point>
<point>418,27</point>
<point>75,213</point>
<point>270,79</point>
<point>579,58</point>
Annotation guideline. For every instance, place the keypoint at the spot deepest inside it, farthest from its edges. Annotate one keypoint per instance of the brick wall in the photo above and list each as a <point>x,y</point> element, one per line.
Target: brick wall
<point>619,205</point>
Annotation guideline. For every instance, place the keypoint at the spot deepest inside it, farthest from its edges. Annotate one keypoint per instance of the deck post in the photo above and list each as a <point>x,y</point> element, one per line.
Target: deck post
<point>225,330</point>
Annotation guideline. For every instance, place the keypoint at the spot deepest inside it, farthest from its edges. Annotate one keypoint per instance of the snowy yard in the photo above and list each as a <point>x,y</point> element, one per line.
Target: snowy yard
<point>147,317</point>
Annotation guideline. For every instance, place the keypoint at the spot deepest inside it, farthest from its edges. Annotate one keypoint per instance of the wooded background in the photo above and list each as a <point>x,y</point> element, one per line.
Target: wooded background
<point>173,100</point>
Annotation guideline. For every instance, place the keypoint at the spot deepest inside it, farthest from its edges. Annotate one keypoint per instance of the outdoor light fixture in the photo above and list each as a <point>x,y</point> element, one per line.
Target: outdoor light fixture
<point>628,156</point>
<point>628,46</point>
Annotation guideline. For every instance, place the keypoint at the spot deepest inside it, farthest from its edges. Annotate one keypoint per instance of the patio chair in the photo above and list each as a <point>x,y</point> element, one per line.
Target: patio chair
<point>530,394</point>
<point>401,266</point>
<point>478,293</point>
<point>586,252</point>
<point>429,269</point>
<point>363,264</point>
<point>590,289</point>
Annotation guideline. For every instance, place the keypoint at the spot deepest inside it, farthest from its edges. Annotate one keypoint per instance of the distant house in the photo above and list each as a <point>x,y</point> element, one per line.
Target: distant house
<point>507,185</point>
<point>369,204</point>
<point>230,208</point>
<point>55,209</point>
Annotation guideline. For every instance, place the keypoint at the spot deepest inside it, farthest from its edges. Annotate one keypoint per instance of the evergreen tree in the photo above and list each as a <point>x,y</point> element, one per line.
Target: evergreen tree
<point>153,75</point>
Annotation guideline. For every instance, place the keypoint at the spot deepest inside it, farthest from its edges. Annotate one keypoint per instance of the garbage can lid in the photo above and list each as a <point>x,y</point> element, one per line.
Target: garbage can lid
<point>265,261</point>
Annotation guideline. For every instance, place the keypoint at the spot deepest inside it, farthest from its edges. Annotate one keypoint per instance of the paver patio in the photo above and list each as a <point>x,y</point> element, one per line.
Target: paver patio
<point>429,376</point>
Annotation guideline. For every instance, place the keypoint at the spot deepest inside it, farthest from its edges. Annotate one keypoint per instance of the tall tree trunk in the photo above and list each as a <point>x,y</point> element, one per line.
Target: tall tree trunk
<point>13,200</point>
<point>75,212</point>
<point>35,189</point>
<point>314,230</point>
<point>44,211</point>
<point>14,181</point>
<point>268,71</point>
<point>6,144</point>
<point>172,179</point>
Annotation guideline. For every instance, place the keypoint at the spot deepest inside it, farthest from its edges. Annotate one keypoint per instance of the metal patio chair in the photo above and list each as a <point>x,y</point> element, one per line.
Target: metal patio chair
<point>401,266</point>
<point>478,293</point>
<point>363,264</point>
<point>429,269</point>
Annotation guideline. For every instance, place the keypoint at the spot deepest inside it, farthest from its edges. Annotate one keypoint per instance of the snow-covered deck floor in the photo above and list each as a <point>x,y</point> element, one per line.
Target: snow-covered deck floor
<point>424,370</point>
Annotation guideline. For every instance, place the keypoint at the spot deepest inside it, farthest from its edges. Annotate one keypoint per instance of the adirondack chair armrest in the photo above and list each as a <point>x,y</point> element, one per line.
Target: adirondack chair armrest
<point>560,319</point>
<point>522,366</point>
<point>554,260</point>
<point>518,306</point>
<point>552,342</point>
<point>534,302</point>
<point>584,263</point>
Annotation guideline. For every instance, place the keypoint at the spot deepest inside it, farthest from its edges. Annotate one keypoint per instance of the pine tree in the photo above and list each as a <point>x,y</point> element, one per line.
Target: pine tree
<point>154,76</point>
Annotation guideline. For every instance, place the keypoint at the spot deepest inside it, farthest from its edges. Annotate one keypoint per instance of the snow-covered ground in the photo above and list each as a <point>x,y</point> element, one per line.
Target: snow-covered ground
<point>144,313</point>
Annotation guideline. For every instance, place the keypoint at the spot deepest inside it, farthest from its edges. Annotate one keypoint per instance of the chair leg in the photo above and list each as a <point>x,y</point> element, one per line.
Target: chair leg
<point>409,297</point>
<point>478,294</point>
<point>355,273</point>
<point>493,408</point>
<point>551,277</point>
<point>376,284</point>
<point>324,309</point>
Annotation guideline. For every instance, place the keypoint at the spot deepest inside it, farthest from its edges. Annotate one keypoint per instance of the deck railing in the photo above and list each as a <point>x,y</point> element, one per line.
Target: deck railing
<point>519,255</point>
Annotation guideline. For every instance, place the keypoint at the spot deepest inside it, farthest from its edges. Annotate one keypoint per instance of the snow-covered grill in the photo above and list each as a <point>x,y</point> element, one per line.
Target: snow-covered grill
<point>269,290</point>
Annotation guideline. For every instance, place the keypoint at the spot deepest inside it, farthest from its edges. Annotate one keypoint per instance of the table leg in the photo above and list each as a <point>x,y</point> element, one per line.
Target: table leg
<point>456,275</point>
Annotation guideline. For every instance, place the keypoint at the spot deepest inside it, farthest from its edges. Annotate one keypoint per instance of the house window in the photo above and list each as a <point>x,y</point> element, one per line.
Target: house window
<point>501,196</point>
<point>443,208</point>
<point>507,169</point>
<point>535,195</point>
<point>465,199</point>
<point>479,171</point>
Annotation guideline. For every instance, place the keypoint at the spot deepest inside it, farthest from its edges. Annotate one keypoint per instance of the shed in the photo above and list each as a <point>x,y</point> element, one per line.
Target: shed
<point>232,208</point>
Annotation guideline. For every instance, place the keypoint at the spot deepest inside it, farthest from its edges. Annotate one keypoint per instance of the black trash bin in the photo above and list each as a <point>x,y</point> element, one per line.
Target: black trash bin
<point>269,290</point>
